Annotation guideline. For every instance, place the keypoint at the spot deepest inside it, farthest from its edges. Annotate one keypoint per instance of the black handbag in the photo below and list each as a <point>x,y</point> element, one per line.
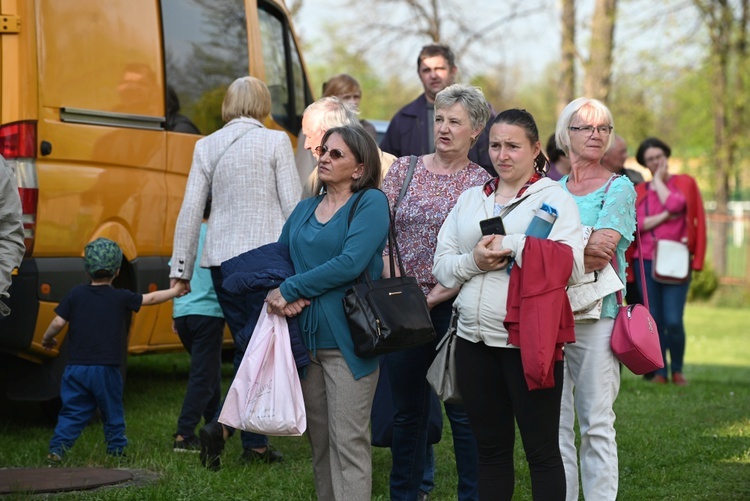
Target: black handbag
<point>389,314</point>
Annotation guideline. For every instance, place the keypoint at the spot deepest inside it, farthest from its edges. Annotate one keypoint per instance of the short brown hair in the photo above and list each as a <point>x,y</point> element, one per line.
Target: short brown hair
<point>437,49</point>
<point>341,85</point>
<point>246,97</point>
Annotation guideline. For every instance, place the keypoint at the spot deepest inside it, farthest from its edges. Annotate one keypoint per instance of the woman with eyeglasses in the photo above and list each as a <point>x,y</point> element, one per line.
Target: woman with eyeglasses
<point>329,251</point>
<point>669,207</point>
<point>606,202</point>
<point>439,178</point>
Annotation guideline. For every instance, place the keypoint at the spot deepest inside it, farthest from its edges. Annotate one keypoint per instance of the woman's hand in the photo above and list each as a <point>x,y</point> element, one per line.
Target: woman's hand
<point>662,171</point>
<point>600,249</point>
<point>489,255</point>
<point>279,306</point>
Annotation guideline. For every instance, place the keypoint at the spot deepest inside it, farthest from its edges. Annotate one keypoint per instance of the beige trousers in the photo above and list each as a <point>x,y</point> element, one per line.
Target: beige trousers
<point>338,427</point>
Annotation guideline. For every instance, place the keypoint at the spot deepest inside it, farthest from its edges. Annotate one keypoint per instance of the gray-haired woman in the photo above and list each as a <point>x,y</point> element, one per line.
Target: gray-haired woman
<point>461,113</point>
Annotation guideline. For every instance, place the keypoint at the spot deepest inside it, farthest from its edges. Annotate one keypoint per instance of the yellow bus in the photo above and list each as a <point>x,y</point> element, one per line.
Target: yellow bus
<point>101,104</point>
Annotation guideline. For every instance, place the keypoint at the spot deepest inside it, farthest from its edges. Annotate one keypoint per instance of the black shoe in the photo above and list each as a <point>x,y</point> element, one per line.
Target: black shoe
<point>187,444</point>
<point>212,445</point>
<point>270,455</point>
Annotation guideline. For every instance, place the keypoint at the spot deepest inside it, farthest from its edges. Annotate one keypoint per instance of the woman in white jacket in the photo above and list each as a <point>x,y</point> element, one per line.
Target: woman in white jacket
<point>492,379</point>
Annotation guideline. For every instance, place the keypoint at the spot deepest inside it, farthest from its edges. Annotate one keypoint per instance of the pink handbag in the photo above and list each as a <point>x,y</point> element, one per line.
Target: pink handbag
<point>635,338</point>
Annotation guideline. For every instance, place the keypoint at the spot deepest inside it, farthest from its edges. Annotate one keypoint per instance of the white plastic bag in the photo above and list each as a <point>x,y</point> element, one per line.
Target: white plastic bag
<point>266,394</point>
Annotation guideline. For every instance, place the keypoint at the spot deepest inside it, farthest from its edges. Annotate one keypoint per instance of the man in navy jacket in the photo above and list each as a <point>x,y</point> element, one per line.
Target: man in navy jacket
<point>411,129</point>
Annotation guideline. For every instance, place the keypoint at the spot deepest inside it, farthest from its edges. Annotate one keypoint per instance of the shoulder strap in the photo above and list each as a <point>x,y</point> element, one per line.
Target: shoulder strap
<point>643,274</point>
<point>354,206</point>
<point>392,243</point>
<point>232,143</point>
<point>407,181</point>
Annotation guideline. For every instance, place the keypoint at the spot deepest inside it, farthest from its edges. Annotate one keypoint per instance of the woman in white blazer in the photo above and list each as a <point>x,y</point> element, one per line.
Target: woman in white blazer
<point>250,175</point>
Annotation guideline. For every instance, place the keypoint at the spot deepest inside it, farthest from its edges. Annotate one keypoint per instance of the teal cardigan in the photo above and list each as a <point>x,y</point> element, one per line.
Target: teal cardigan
<point>329,261</point>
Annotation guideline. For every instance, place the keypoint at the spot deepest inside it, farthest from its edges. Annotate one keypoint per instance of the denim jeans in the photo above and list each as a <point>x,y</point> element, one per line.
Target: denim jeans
<point>238,311</point>
<point>667,305</point>
<point>202,337</point>
<point>411,399</point>
<point>83,389</point>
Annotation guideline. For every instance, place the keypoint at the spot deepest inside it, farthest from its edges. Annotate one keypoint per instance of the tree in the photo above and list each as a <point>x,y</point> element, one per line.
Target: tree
<point>438,21</point>
<point>566,91</point>
<point>598,81</point>
<point>726,22</point>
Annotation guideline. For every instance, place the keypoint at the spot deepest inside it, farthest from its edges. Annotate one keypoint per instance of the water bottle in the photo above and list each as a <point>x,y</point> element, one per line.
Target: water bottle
<point>541,225</point>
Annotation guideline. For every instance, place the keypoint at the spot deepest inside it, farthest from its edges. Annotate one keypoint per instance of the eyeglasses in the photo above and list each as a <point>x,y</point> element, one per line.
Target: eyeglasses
<point>604,130</point>
<point>334,153</point>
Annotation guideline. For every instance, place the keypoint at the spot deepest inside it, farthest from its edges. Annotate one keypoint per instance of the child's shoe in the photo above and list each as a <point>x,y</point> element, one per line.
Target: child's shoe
<point>53,459</point>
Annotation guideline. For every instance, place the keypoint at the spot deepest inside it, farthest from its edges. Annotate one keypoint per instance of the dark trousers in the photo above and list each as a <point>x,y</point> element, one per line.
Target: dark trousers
<point>202,337</point>
<point>238,311</point>
<point>83,389</point>
<point>411,399</point>
<point>495,396</point>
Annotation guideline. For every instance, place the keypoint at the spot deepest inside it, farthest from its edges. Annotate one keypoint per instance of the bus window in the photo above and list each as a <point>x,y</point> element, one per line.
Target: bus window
<point>205,49</point>
<point>285,75</point>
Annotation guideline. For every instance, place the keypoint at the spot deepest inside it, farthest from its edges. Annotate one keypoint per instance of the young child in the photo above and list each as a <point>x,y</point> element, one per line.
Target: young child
<point>97,313</point>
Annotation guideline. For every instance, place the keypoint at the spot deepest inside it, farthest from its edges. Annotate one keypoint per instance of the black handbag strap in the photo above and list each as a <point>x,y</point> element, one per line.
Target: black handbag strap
<point>392,242</point>
<point>407,181</point>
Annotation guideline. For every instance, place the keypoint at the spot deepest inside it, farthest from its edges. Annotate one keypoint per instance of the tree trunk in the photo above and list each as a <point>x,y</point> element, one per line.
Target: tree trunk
<point>720,29</point>
<point>566,89</point>
<point>598,80</point>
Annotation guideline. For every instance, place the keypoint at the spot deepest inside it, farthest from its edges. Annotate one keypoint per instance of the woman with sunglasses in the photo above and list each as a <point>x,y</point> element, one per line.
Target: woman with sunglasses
<point>439,178</point>
<point>606,202</point>
<point>329,252</point>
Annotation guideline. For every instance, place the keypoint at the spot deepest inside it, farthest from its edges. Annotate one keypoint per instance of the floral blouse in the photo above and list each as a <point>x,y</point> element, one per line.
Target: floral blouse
<point>421,213</point>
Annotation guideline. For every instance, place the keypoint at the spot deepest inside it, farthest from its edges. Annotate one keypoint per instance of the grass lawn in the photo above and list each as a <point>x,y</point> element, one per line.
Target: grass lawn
<point>675,443</point>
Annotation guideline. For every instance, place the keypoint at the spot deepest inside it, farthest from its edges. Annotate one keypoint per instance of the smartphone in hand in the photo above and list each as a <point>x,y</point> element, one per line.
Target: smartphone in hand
<point>492,226</point>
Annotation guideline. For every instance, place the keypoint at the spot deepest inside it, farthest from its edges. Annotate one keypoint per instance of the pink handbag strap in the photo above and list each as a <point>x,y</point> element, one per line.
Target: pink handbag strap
<point>640,258</point>
<point>643,274</point>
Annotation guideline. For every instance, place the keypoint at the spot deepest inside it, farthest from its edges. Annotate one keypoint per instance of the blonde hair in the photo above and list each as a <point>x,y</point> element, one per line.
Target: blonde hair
<point>329,112</point>
<point>341,85</point>
<point>587,108</point>
<point>246,97</point>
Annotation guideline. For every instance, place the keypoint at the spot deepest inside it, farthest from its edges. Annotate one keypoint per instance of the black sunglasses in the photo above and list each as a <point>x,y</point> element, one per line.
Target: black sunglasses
<point>334,153</point>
